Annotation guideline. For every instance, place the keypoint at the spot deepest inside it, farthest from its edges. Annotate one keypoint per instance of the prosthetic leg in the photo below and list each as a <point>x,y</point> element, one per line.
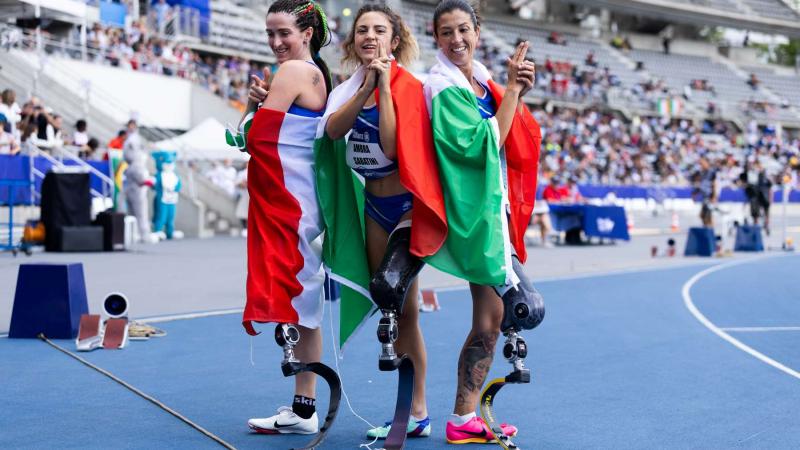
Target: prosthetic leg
<point>388,288</point>
<point>523,309</point>
<point>287,336</point>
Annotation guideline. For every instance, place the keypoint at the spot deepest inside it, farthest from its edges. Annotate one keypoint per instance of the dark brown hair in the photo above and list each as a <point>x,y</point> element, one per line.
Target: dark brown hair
<point>446,6</point>
<point>308,14</point>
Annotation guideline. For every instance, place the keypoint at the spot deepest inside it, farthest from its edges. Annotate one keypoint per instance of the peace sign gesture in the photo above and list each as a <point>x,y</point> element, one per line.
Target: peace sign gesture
<point>521,73</point>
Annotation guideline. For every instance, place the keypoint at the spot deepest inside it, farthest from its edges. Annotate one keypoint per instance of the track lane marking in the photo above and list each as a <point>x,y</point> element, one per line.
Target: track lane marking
<point>687,301</point>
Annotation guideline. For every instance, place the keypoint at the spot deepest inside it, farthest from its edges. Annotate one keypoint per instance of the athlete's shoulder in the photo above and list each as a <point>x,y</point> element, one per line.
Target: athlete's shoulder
<point>295,70</point>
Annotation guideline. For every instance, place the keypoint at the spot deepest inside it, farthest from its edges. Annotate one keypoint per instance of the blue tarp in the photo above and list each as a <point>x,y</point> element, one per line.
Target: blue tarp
<point>596,221</point>
<point>17,167</point>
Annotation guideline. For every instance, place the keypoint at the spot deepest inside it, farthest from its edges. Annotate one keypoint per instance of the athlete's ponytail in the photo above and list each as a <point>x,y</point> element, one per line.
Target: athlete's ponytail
<point>310,14</point>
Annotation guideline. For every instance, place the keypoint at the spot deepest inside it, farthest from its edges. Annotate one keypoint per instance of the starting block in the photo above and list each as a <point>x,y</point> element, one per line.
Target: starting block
<point>115,336</point>
<point>90,333</point>
<point>430,302</point>
<point>93,334</point>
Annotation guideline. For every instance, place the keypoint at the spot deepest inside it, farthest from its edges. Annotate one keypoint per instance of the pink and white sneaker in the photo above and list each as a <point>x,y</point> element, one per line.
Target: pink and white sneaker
<point>475,431</point>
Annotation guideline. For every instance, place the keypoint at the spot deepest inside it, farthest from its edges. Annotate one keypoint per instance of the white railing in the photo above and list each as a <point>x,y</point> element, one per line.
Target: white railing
<point>58,162</point>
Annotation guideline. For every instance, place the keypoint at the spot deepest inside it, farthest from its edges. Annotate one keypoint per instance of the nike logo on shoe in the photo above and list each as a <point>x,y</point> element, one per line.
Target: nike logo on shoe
<point>482,433</point>
<point>277,425</point>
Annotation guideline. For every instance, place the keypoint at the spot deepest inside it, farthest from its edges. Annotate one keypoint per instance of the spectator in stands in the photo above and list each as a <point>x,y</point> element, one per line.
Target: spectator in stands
<point>753,81</point>
<point>8,144</point>
<point>118,142</point>
<point>89,150</point>
<point>666,35</point>
<point>553,193</point>
<point>52,137</point>
<point>571,193</point>
<point>162,13</point>
<point>590,59</point>
<point>556,38</point>
<point>11,110</point>
<point>28,139</point>
<point>80,137</point>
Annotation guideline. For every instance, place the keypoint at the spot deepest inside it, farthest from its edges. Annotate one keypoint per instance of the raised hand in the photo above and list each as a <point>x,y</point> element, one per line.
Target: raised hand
<point>527,75</point>
<point>382,66</point>
<point>259,88</point>
<point>521,73</point>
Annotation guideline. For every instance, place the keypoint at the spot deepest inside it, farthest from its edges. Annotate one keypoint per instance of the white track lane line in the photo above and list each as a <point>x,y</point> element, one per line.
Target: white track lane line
<point>687,301</point>
<point>197,315</point>
<point>758,329</point>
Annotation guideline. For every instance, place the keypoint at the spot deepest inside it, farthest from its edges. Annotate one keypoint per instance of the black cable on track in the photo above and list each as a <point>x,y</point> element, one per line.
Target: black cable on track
<point>136,391</point>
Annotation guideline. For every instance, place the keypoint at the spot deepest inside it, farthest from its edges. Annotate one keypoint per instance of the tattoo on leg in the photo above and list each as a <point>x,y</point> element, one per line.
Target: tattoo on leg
<point>473,365</point>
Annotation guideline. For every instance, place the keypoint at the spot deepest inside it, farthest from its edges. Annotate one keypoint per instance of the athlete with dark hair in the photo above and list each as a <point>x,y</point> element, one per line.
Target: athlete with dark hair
<point>487,147</point>
<point>284,279</point>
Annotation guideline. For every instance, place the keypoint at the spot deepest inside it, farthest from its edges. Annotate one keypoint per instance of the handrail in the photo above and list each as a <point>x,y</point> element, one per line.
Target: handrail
<point>102,96</point>
<point>80,163</point>
<point>66,150</point>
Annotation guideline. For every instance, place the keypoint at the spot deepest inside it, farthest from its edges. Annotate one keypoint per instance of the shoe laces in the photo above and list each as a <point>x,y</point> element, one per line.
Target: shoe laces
<point>286,411</point>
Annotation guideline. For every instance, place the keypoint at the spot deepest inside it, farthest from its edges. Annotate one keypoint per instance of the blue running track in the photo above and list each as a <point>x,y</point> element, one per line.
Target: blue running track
<point>619,362</point>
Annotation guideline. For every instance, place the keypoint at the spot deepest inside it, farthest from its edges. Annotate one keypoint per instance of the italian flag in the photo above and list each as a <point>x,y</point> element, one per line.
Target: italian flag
<point>341,194</point>
<point>484,220</point>
<point>284,275</point>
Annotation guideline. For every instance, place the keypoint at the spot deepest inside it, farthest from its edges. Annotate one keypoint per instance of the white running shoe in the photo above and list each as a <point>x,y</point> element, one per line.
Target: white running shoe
<point>285,422</point>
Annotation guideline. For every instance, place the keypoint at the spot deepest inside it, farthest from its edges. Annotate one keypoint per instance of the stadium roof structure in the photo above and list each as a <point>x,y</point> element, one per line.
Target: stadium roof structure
<point>72,11</point>
<point>696,14</point>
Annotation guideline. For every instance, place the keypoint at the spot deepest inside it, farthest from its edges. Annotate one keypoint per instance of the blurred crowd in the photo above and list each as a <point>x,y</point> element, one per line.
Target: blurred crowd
<point>34,127</point>
<point>597,147</point>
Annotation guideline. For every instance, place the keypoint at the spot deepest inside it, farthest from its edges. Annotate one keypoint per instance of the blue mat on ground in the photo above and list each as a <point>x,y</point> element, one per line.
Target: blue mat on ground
<point>618,363</point>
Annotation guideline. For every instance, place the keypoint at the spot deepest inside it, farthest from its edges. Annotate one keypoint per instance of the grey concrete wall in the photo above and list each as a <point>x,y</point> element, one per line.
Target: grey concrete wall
<point>205,104</point>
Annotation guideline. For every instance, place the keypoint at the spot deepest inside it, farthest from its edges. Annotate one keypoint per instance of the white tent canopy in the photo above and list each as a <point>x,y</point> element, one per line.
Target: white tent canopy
<point>204,141</point>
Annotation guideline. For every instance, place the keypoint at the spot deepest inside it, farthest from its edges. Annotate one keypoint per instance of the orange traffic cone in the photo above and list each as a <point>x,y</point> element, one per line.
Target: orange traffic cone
<point>629,219</point>
<point>675,225</point>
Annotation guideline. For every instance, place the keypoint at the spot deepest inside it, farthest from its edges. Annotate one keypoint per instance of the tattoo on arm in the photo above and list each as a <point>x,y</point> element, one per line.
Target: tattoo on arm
<point>474,364</point>
<point>316,79</point>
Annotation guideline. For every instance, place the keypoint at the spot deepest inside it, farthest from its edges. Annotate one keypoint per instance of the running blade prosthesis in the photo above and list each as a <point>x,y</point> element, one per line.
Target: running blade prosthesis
<point>287,336</point>
<point>389,361</point>
<point>515,350</point>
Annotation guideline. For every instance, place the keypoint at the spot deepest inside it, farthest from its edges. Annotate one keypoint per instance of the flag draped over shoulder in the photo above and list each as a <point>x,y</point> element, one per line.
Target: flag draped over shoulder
<point>480,234</point>
<point>341,193</point>
<point>284,276</point>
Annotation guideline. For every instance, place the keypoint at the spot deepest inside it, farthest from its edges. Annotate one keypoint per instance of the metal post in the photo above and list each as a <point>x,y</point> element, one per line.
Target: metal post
<point>37,13</point>
<point>83,33</point>
<point>786,189</point>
